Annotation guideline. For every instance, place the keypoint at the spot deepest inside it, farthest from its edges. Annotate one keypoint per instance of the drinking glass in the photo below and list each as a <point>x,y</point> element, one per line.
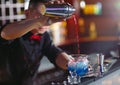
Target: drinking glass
<point>77,68</point>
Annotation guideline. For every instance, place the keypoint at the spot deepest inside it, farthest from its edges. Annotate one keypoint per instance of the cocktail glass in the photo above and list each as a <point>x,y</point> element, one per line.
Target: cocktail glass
<point>77,68</point>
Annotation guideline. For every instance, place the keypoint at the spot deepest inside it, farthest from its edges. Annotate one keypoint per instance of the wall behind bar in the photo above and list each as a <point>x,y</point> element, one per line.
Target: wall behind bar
<point>107,22</point>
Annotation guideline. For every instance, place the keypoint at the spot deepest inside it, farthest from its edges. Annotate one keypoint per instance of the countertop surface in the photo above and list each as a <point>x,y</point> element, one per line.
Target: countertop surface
<point>112,73</point>
<point>61,76</point>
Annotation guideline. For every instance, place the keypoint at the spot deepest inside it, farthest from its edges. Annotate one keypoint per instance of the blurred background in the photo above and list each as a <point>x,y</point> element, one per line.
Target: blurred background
<point>94,28</point>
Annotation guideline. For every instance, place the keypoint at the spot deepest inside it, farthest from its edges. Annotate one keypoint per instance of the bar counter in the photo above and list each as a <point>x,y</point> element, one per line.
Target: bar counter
<point>59,77</point>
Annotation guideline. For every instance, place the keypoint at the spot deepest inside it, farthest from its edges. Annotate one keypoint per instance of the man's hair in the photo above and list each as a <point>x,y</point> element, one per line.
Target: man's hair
<point>36,1</point>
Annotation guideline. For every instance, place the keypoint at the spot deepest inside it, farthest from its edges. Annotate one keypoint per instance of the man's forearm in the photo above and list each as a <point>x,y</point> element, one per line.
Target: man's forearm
<point>17,29</point>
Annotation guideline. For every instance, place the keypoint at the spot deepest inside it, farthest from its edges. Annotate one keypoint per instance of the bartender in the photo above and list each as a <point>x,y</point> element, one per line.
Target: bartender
<point>24,43</point>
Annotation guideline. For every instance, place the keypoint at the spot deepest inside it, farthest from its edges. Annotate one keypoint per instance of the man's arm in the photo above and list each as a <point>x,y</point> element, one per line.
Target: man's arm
<point>17,29</point>
<point>34,19</point>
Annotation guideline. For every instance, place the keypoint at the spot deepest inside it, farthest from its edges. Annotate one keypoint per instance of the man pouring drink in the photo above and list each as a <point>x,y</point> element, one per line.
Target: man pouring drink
<point>24,43</point>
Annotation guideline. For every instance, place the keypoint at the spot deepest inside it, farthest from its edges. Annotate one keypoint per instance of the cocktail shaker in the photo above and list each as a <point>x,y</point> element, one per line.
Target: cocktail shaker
<point>64,10</point>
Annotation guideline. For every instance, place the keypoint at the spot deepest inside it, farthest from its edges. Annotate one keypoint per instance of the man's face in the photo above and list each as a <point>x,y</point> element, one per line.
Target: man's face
<point>32,13</point>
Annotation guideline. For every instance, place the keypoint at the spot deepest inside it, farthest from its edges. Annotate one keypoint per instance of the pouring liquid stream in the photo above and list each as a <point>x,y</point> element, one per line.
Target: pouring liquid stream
<point>76,34</point>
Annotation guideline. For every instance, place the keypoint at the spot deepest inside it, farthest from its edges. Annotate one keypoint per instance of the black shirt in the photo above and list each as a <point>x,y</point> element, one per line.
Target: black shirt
<point>23,55</point>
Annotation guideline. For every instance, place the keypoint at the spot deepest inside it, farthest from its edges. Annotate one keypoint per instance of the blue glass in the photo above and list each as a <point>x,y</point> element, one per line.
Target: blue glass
<point>81,68</point>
